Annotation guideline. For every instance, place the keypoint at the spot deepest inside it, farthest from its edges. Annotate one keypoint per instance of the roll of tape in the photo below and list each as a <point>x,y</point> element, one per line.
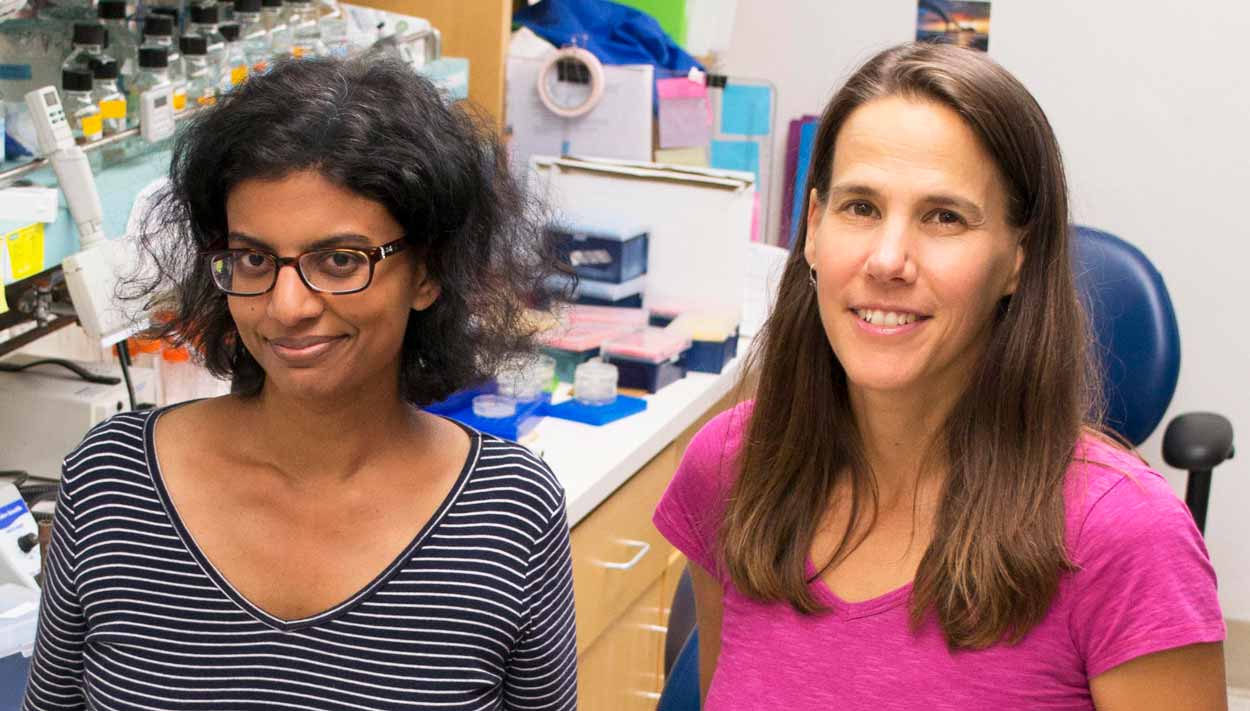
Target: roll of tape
<point>549,71</point>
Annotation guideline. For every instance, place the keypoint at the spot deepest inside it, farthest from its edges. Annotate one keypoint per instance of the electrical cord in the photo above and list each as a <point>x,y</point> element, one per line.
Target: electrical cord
<point>123,358</point>
<point>76,369</point>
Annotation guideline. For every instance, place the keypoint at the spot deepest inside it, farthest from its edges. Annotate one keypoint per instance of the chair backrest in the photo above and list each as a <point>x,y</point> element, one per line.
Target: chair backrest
<point>1133,321</point>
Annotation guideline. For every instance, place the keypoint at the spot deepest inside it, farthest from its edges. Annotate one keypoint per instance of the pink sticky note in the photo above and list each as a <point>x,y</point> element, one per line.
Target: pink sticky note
<point>680,88</point>
<point>755,220</point>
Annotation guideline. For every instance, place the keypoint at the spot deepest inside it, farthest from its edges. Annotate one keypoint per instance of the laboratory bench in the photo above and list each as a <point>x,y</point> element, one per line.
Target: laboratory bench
<point>624,571</point>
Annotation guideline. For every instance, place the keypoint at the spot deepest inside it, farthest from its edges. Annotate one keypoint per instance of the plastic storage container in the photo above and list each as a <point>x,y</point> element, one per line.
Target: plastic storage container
<point>19,617</point>
<point>632,318</point>
<point>714,339</point>
<point>648,359</point>
<point>602,248</point>
<point>577,343</point>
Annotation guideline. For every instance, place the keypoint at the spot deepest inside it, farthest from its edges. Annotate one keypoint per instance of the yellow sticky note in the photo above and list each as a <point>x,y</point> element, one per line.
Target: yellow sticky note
<point>25,247</point>
<point>696,156</point>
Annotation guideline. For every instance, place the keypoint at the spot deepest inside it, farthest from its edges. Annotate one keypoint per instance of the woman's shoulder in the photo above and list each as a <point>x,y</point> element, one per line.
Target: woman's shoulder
<point>720,440</point>
<point>1113,497</point>
<point>511,469</point>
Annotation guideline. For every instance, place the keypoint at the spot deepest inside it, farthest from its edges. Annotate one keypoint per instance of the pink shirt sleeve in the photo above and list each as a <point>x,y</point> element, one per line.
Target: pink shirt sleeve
<point>1145,583</point>
<point>691,509</point>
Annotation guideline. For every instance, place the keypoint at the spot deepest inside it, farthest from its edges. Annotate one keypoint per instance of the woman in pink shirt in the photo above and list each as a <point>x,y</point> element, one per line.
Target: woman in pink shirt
<point>917,510</point>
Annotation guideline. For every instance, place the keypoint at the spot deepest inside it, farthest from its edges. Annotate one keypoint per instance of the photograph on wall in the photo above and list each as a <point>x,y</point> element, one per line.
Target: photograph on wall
<point>966,24</point>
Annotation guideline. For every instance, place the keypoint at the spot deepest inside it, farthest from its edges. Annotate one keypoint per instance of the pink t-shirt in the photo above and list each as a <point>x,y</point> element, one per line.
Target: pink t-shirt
<point>1145,584</point>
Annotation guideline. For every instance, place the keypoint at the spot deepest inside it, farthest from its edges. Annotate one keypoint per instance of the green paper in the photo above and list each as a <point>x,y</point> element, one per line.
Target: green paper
<point>671,14</point>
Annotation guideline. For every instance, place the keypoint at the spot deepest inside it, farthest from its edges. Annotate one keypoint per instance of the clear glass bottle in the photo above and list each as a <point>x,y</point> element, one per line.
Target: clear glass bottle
<point>109,97</point>
<point>204,21</point>
<point>158,31</point>
<point>255,38</point>
<point>202,75</point>
<point>305,23</point>
<point>88,47</point>
<point>122,43</point>
<point>83,114</point>
<point>235,72</point>
<point>273,17</point>
<point>153,71</point>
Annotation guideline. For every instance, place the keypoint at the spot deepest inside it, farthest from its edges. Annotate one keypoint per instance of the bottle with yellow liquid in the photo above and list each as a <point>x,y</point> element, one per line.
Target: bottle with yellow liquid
<point>107,96</point>
<point>202,75</point>
<point>236,64</point>
<point>83,114</point>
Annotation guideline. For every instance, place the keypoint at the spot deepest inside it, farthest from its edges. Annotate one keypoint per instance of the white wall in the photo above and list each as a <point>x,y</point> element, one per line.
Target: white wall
<point>1152,110</point>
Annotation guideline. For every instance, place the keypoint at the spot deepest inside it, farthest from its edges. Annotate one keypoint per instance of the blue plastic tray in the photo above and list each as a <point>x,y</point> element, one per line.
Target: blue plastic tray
<point>528,415</point>
<point>597,415</point>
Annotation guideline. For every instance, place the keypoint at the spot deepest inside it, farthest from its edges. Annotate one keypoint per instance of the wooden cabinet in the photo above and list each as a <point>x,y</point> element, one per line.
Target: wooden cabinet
<point>622,669</point>
<point>624,577</point>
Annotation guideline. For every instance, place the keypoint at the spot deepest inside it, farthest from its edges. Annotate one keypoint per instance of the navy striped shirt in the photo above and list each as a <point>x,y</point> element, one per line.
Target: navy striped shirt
<point>477,613</point>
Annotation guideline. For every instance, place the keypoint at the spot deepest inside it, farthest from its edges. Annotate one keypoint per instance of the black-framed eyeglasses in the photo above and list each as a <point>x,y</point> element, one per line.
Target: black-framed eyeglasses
<point>340,270</point>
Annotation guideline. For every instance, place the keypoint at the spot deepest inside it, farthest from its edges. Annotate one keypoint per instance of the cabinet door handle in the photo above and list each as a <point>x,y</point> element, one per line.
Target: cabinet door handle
<point>643,549</point>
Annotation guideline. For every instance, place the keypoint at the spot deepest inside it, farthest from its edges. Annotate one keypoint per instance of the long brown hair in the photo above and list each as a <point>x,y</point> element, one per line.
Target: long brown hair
<point>997,552</point>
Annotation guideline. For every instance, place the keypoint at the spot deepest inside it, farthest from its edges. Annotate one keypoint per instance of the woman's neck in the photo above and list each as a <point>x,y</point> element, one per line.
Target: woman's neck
<point>899,431</point>
<point>320,440</point>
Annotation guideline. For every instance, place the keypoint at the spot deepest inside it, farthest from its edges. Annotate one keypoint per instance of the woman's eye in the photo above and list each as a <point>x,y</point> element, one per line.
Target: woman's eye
<point>342,261</point>
<point>947,218</point>
<point>860,209</point>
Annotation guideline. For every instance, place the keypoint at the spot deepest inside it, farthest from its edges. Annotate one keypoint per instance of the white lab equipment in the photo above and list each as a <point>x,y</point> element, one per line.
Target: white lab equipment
<point>20,561</point>
<point>48,409</point>
<point>19,618</point>
<point>156,113</point>
<point>92,273</point>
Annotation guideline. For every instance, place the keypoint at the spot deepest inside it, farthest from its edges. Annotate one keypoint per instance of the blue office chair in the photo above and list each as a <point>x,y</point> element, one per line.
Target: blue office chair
<point>1140,350</point>
<point>1139,346</point>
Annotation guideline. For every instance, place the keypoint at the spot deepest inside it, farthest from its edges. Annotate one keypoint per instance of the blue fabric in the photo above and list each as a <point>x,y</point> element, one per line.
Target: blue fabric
<point>614,33</point>
<point>1138,340</point>
<point>681,689</point>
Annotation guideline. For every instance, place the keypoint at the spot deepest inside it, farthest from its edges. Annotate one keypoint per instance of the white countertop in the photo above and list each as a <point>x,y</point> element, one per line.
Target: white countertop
<point>592,462</point>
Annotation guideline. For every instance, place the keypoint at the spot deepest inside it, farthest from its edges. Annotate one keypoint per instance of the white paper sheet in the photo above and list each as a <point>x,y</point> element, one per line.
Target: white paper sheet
<point>619,127</point>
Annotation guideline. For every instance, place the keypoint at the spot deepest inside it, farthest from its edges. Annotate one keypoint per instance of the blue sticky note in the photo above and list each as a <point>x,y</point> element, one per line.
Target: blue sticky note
<point>746,110</point>
<point>737,155</point>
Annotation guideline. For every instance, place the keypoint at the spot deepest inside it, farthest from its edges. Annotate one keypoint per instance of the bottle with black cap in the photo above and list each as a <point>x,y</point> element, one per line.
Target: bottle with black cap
<point>122,43</point>
<point>235,72</point>
<point>305,23</point>
<point>204,20</point>
<point>202,75</point>
<point>83,114</point>
<point>88,47</point>
<point>106,94</point>
<point>252,32</point>
<point>158,31</point>
<point>273,17</point>
<point>153,72</point>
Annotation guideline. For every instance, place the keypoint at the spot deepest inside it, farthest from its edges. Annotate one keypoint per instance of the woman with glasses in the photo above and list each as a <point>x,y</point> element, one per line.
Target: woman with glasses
<point>918,510</point>
<point>346,249</point>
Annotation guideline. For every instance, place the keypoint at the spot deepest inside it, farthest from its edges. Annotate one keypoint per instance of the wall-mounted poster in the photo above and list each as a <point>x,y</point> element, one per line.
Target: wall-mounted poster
<point>966,24</point>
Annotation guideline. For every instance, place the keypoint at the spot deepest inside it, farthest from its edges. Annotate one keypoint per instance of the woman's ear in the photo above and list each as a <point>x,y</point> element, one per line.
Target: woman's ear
<point>1014,280</point>
<point>815,211</point>
<point>426,289</point>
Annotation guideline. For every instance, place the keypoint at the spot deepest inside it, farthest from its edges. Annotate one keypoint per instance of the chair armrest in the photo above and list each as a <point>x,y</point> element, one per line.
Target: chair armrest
<point>1198,441</point>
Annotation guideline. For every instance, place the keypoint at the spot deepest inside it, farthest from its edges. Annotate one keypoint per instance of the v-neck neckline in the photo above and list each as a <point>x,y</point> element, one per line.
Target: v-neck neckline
<point>266,618</point>
<point>855,610</point>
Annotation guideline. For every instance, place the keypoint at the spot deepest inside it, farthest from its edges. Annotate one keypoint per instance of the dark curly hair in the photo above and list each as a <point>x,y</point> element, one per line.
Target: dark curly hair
<point>374,127</point>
